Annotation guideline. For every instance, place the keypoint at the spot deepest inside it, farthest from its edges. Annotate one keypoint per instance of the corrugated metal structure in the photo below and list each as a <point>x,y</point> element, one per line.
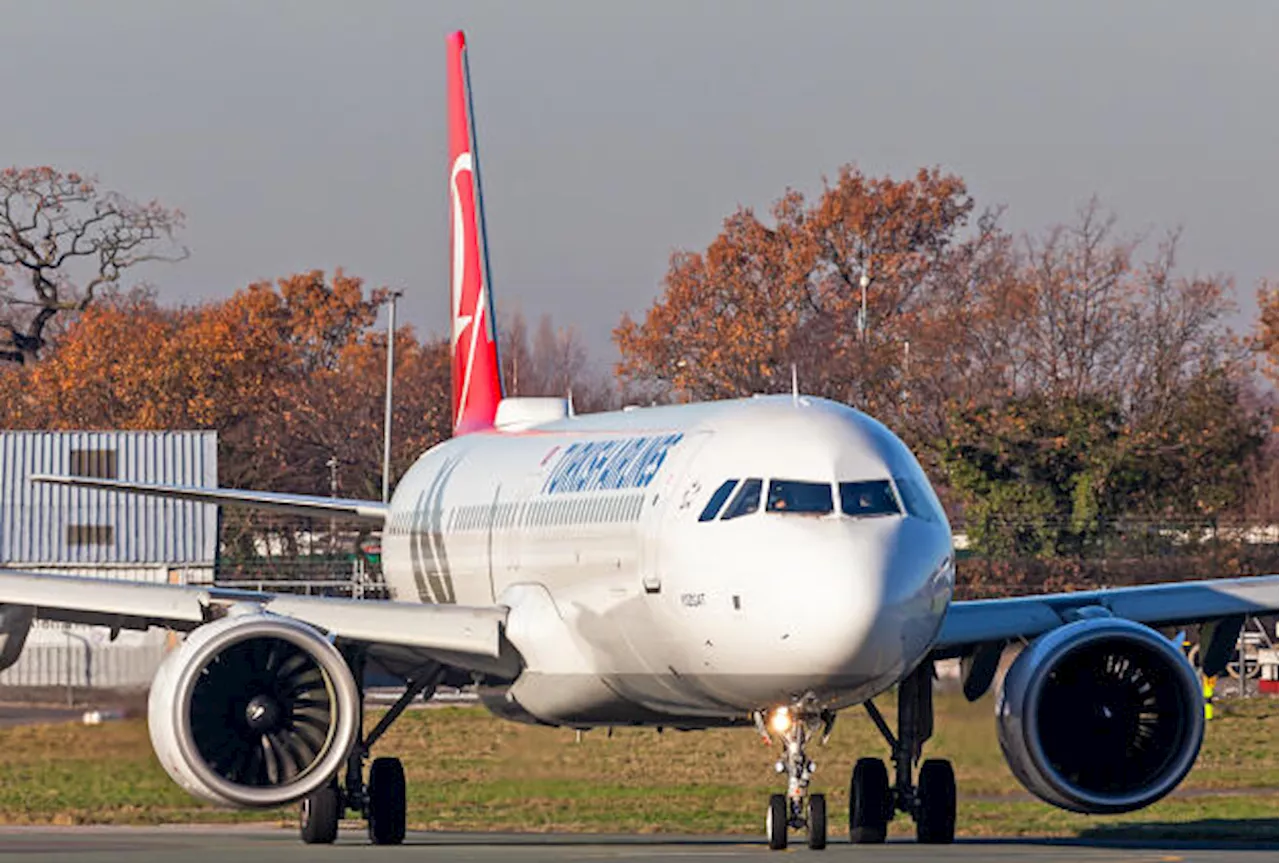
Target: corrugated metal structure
<point>41,524</point>
<point>100,534</point>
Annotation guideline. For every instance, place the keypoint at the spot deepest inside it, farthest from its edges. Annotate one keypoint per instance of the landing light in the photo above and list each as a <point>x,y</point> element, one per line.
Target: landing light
<point>780,720</point>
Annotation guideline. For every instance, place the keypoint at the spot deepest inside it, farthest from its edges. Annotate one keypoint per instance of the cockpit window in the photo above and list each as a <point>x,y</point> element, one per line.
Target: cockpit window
<point>746,501</point>
<point>872,497</point>
<point>789,495</point>
<point>712,508</point>
<point>919,501</point>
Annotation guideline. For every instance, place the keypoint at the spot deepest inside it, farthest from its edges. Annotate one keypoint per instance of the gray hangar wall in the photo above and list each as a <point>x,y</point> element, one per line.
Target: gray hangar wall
<point>70,531</point>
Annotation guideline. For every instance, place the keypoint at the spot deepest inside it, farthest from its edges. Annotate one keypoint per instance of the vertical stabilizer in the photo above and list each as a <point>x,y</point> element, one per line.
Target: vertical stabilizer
<point>477,383</point>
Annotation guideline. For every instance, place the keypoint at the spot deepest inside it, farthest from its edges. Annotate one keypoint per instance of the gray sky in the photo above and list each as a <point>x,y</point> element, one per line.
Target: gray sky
<point>298,135</point>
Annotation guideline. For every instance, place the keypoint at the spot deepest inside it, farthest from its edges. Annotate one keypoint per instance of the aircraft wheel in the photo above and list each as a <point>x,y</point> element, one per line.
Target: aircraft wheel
<point>318,820</point>
<point>817,821</point>
<point>775,822</point>
<point>936,796</point>
<point>869,808</point>
<point>386,801</point>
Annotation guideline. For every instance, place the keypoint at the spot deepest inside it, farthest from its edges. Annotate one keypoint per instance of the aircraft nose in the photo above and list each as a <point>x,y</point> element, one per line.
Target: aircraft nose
<point>847,589</point>
<point>858,605</point>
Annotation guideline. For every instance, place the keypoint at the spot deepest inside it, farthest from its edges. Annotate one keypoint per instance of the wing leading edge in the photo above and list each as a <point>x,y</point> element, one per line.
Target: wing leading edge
<point>984,621</point>
<point>460,632</point>
<point>297,504</point>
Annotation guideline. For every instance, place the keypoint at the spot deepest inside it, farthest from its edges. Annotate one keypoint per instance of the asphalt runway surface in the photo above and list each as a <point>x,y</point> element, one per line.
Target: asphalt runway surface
<point>246,844</point>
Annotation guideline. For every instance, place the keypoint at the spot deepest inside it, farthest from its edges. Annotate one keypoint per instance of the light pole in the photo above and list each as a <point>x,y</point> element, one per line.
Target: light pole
<point>332,465</point>
<point>863,282</point>
<point>386,417</point>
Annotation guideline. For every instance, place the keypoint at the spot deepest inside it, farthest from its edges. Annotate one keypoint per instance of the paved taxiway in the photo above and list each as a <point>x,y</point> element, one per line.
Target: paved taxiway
<point>207,844</point>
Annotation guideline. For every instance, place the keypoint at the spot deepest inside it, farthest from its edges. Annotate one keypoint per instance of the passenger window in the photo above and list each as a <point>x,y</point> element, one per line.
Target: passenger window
<point>746,501</point>
<point>712,509</point>
<point>873,497</point>
<point>788,495</point>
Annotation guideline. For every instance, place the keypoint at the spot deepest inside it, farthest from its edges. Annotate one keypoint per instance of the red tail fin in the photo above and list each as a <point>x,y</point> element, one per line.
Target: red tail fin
<point>477,382</point>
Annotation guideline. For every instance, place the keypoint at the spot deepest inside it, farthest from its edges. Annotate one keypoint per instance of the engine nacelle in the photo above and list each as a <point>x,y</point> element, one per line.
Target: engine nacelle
<point>253,710</point>
<point>1100,715</point>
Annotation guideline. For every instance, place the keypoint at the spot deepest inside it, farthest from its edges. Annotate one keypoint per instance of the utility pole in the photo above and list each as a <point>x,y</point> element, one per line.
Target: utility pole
<point>386,417</point>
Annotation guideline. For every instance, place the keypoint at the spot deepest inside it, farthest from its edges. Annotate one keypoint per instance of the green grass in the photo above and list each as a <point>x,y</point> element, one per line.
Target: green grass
<point>470,771</point>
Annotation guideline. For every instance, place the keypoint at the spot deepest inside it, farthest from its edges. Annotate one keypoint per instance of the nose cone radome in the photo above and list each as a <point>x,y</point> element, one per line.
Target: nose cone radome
<point>842,606</point>
<point>811,601</point>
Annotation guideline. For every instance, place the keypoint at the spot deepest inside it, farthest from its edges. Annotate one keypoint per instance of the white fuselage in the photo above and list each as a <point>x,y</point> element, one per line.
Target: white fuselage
<point>626,608</point>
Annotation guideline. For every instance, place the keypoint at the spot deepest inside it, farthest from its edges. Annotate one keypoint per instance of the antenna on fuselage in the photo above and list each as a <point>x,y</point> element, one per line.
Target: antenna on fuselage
<point>795,386</point>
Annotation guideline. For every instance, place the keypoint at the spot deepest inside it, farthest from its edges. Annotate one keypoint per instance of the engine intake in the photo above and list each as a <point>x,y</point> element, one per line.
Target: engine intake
<point>253,710</point>
<point>1100,715</point>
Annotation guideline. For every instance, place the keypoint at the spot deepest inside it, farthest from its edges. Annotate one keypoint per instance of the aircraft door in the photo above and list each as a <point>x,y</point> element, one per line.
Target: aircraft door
<point>506,539</point>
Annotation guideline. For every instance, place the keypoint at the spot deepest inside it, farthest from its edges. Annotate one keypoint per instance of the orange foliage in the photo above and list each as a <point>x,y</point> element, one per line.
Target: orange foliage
<point>959,317</point>
<point>289,374</point>
<point>1266,336</point>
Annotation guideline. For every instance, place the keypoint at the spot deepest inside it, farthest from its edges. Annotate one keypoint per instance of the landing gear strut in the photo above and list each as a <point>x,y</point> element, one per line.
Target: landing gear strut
<point>930,801</point>
<point>798,809</point>
<point>382,800</point>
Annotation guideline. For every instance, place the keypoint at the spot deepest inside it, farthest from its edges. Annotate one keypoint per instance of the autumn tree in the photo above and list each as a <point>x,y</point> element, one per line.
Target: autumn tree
<point>64,241</point>
<point>552,361</point>
<point>1265,342</point>
<point>1068,377</point>
<point>1079,316</point>
<point>732,320</point>
<point>290,374</point>
<point>338,413</point>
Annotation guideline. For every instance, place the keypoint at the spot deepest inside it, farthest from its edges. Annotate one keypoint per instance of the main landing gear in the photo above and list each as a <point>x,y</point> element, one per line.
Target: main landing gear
<point>931,799</point>
<point>798,809</point>
<point>381,800</point>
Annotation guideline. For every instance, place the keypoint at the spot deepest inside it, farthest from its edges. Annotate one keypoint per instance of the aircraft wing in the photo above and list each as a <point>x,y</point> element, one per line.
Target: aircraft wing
<point>985,621</point>
<point>298,504</point>
<point>463,635</point>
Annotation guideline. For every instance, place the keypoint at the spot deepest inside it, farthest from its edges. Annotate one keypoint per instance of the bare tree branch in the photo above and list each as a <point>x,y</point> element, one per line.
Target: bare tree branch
<point>67,240</point>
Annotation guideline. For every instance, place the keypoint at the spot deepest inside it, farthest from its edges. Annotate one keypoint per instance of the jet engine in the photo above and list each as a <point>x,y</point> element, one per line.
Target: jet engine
<point>253,710</point>
<point>1100,715</point>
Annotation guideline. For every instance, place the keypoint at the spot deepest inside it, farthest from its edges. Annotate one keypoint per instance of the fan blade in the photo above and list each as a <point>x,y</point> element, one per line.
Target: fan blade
<point>272,763</point>
<point>284,756</point>
<point>291,665</point>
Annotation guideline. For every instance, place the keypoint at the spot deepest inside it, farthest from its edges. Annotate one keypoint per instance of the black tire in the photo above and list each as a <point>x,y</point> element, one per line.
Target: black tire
<point>817,821</point>
<point>318,820</point>
<point>869,807</point>
<point>936,795</point>
<point>775,822</point>
<point>386,801</point>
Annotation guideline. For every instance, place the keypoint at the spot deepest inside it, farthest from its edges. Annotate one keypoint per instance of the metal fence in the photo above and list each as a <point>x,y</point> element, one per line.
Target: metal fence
<point>73,657</point>
<point>353,579</point>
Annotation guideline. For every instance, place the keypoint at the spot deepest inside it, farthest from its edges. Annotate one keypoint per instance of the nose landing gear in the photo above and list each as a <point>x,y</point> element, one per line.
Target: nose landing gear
<point>797,809</point>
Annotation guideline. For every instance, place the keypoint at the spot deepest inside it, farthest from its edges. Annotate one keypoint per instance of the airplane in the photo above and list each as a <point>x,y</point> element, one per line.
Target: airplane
<point>761,562</point>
